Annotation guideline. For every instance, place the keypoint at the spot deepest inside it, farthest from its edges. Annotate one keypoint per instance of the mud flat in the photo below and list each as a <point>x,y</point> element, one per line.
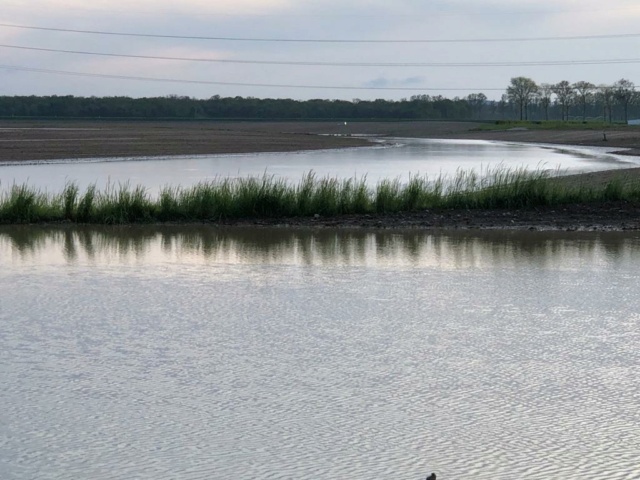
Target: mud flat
<point>611,216</point>
<point>42,140</point>
<point>49,140</point>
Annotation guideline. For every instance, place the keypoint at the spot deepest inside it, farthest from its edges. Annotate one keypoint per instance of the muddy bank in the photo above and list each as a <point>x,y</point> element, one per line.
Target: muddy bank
<point>47,140</point>
<point>614,216</point>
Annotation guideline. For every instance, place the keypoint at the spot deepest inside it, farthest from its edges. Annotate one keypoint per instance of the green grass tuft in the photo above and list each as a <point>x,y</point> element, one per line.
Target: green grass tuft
<point>271,197</point>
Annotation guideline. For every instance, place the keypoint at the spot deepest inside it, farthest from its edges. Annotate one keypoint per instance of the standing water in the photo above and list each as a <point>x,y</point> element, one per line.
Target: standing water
<point>160,353</point>
<point>405,157</point>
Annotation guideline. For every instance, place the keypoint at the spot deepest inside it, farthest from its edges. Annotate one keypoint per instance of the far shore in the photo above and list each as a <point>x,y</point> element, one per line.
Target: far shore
<point>23,140</point>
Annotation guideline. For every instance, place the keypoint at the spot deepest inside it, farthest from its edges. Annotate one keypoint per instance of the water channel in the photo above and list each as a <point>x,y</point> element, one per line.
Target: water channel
<point>199,353</point>
<point>399,158</point>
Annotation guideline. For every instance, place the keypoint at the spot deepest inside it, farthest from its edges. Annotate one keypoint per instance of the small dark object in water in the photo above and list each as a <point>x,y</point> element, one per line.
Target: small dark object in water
<point>431,477</point>
<point>604,136</point>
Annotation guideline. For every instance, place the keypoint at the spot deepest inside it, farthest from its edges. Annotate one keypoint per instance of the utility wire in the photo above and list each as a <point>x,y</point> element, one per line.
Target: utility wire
<point>236,84</point>
<point>315,14</point>
<point>327,40</point>
<point>608,61</point>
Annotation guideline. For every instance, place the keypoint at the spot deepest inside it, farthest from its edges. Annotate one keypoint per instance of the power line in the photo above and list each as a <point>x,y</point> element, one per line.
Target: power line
<point>608,61</point>
<point>240,84</point>
<point>237,84</point>
<point>326,40</point>
<point>315,14</point>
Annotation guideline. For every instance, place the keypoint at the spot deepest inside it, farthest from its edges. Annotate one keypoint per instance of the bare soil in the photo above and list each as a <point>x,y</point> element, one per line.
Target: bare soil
<point>613,216</point>
<point>22,140</point>
<point>48,140</point>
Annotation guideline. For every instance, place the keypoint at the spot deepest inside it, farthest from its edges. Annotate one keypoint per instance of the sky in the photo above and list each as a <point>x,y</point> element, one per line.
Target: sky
<point>329,49</point>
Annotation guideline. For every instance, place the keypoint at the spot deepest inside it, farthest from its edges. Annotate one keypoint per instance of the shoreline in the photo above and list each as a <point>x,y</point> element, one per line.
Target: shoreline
<point>617,216</point>
<point>609,217</point>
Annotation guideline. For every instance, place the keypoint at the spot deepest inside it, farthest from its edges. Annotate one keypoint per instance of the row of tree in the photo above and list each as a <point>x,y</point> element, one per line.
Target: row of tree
<point>524,99</point>
<point>216,107</point>
<point>523,92</point>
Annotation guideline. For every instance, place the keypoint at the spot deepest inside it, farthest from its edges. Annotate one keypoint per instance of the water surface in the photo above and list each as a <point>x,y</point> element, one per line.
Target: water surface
<point>406,157</point>
<point>160,353</point>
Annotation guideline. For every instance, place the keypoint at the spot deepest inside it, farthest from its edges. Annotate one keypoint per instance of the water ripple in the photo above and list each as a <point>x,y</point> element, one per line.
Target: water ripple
<point>281,371</point>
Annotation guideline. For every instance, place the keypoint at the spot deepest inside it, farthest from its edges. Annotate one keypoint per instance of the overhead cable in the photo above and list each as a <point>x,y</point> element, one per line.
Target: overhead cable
<point>237,84</point>
<point>329,40</point>
<point>607,61</point>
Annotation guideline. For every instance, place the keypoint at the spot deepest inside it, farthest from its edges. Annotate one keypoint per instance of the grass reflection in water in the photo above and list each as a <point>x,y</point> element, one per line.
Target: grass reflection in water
<point>202,244</point>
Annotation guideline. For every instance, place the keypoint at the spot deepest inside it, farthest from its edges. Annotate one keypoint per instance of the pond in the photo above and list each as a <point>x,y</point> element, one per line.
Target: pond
<point>158,353</point>
<point>403,158</point>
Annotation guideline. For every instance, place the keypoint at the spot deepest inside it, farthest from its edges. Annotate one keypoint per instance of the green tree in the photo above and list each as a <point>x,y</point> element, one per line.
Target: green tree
<point>476,102</point>
<point>521,92</point>
<point>545,91</point>
<point>606,95</point>
<point>625,94</point>
<point>584,95</point>
<point>565,95</point>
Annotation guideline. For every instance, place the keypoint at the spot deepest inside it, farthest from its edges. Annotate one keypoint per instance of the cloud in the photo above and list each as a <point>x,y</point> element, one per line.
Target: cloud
<point>383,82</point>
<point>321,19</point>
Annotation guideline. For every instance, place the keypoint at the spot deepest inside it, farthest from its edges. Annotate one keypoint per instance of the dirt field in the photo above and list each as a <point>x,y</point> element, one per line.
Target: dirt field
<point>29,140</point>
<point>49,140</point>
<point>25,141</point>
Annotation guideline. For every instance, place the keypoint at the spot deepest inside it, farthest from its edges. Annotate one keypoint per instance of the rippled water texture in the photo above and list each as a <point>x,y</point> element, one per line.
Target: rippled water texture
<point>226,354</point>
<point>409,156</point>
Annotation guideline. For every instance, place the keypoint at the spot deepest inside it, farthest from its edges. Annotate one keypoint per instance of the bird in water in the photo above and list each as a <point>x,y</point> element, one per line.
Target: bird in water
<point>431,477</point>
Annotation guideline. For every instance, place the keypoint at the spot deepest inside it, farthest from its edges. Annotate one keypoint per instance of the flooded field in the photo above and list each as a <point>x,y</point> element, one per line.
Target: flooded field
<point>159,353</point>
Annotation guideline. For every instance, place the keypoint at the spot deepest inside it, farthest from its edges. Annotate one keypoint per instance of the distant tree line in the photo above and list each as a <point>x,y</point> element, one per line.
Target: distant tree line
<point>216,107</point>
<point>572,101</point>
<point>524,99</point>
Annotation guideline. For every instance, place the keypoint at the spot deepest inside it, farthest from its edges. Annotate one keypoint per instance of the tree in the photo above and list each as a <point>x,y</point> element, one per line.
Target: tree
<point>521,91</point>
<point>544,94</point>
<point>624,93</point>
<point>606,95</point>
<point>584,94</point>
<point>503,106</point>
<point>476,101</point>
<point>565,94</point>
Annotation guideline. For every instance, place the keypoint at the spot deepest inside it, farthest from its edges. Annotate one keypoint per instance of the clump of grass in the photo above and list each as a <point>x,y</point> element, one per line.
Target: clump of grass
<point>122,204</point>
<point>387,196</point>
<point>502,188</point>
<point>168,207</point>
<point>85,206</point>
<point>326,200</point>
<point>418,192</point>
<point>268,196</point>
<point>355,197</point>
<point>22,204</point>
<point>614,190</point>
<point>259,197</point>
<point>70,200</point>
<point>204,201</point>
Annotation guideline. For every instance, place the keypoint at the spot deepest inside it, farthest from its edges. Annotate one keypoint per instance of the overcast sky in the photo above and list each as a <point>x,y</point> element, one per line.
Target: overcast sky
<point>375,20</point>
